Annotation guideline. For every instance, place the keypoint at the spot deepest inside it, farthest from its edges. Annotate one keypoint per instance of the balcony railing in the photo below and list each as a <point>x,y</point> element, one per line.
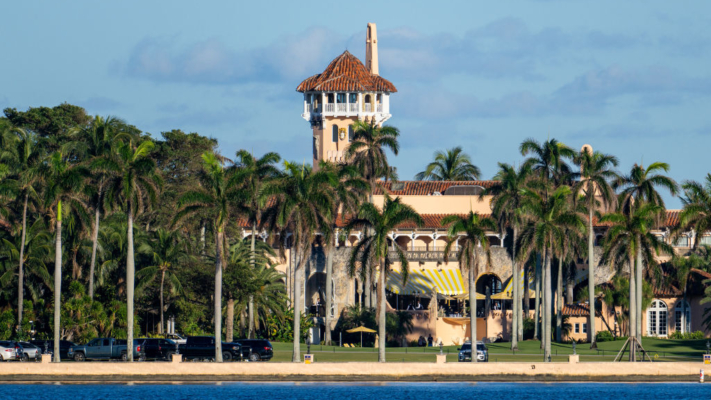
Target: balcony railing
<point>423,255</point>
<point>380,108</point>
<point>341,107</point>
<point>353,107</point>
<point>368,107</point>
<point>328,107</point>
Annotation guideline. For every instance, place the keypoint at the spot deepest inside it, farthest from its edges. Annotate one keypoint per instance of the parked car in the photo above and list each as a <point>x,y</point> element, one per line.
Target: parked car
<point>48,347</point>
<point>465,352</point>
<point>10,350</point>
<point>105,349</point>
<point>262,349</point>
<point>203,348</point>
<point>157,348</point>
<point>177,338</point>
<point>30,352</point>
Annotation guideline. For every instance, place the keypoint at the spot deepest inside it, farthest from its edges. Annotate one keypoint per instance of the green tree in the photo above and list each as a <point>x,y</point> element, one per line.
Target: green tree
<point>134,189</point>
<point>214,199</point>
<point>469,232</point>
<point>373,248</point>
<point>696,212</point>
<point>594,190</point>
<point>64,182</point>
<point>253,173</point>
<point>450,165</point>
<point>167,252</point>
<point>507,198</point>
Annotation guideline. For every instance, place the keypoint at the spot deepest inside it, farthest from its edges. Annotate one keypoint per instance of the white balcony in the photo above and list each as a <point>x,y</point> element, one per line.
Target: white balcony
<point>320,105</point>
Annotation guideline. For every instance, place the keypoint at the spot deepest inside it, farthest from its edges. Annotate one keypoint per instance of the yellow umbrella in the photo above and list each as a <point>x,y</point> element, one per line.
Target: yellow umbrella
<point>361,329</point>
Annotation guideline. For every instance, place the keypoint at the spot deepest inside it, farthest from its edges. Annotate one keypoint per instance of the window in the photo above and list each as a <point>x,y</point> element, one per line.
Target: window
<point>705,240</point>
<point>683,241</point>
<point>657,319</point>
<point>682,317</point>
<point>335,134</point>
<point>353,98</point>
<point>473,190</point>
<point>341,98</point>
<point>585,328</point>
<point>350,133</point>
<point>577,328</point>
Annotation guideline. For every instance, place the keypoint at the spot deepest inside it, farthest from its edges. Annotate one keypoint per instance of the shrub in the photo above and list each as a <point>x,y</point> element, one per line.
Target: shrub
<point>686,335</point>
<point>604,336</point>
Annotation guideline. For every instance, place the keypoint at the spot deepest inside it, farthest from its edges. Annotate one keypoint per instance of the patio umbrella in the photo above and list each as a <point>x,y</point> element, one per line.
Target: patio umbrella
<point>361,329</point>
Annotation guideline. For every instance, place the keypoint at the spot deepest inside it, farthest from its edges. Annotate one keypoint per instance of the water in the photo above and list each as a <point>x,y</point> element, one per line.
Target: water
<point>360,391</point>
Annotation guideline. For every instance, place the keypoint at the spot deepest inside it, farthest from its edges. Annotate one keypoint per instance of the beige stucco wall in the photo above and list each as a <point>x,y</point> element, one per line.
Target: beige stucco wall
<point>443,204</point>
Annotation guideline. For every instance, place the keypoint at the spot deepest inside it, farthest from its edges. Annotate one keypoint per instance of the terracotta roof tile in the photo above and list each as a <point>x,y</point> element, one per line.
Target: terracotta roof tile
<point>346,73</point>
<point>667,291</point>
<point>427,188</point>
<point>577,310</point>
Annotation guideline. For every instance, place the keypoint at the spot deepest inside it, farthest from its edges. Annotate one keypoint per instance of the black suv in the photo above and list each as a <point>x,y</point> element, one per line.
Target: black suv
<point>262,350</point>
<point>158,349</point>
<point>203,348</point>
<point>48,345</point>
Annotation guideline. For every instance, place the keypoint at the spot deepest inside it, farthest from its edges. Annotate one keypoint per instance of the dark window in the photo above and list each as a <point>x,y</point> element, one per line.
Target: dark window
<point>353,98</point>
<point>106,342</point>
<point>464,191</point>
<point>335,133</point>
<point>341,98</point>
<point>350,133</point>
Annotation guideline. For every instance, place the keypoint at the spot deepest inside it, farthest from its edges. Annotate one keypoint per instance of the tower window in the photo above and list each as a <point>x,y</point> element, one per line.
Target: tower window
<point>335,134</point>
<point>350,133</point>
<point>353,98</point>
<point>341,98</point>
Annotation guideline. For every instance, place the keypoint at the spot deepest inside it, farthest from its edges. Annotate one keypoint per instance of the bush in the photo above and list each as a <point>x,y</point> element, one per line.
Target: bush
<point>604,336</point>
<point>529,328</point>
<point>686,335</point>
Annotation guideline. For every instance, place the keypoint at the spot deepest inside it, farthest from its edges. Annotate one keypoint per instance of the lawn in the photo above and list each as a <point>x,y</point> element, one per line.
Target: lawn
<point>529,351</point>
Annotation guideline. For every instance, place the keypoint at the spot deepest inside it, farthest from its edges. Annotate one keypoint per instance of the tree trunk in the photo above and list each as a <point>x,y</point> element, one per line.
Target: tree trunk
<point>516,304</point>
<point>305,253</point>
<point>473,272</point>
<point>250,334</point>
<point>548,299</point>
<point>162,283</point>
<point>640,289</point>
<point>202,236</point>
<point>229,329</point>
<point>382,318</point>
<point>218,293</point>
<point>526,292</point>
<point>329,293</point>
<point>537,309</point>
<point>368,288</point>
<point>545,304</point>
<point>633,311</point>
<point>241,323</point>
<point>559,304</point>
<point>570,284</point>
<point>21,271</point>
<point>94,243</point>
<point>591,280</point>
<point>57,281</point>
<point>130,280</point>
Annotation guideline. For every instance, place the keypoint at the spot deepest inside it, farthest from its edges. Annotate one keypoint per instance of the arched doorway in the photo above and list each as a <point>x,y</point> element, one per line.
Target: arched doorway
<point>657,318</point>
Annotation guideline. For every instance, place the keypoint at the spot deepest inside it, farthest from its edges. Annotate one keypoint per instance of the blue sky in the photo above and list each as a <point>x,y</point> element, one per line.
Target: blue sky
<point>630,78</point>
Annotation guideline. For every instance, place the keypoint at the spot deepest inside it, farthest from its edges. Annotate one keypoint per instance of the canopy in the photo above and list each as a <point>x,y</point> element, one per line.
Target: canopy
<point>447,281</point>
<point>465,296</point>
<point>507,293</point>
<point>361,329</point>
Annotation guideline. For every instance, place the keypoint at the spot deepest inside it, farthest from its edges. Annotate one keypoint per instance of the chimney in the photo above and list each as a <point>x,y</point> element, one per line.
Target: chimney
<point>371,49</point>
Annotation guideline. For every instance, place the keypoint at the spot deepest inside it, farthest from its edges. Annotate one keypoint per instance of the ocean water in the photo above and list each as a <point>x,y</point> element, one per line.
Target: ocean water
<point>360,391</point>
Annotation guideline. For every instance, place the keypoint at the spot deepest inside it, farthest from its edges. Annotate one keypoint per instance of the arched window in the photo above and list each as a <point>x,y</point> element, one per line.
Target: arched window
<point>657,318</point>
<point>682,317</point>
<point>335,134</point>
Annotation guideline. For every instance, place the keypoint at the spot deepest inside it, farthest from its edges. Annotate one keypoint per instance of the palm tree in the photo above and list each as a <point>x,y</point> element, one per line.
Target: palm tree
<point>367,154</point>
<point>373,247</point>
<point>596,173</point>
<point>167,251</point>
<point>696,212</point>
<point>252,173</point>
<point>135,189</point>
<point>473,227</point>
<point>63,182</point>
<point>22,154</point>
<point>451,165</point>
<point>506,206</point>
<point>348,192</point>
<point>214,199</point>
<point>641,186</point>
<point>628,236</point>
<point>549,221</point>
<point>303,206</point>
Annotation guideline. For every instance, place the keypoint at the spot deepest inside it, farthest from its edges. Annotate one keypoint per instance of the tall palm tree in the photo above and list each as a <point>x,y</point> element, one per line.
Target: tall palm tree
<point>450,165</point>
<point>506,207</point>
<point>641,186</point>
<point>215,198</point>
<point>64,182</point>
<point>134,189</point>
<point>696,212</point>
<point>348,191</point>
<point>549,221</point>
<point>473,229</point>
<point>367,153</point>
<point>252,173</point>
<point>629,235</point>
<point>594,190</point>
<point>303,206</point>
<point>373,248</point>
<point>167,252</point>
<point>22,155</point>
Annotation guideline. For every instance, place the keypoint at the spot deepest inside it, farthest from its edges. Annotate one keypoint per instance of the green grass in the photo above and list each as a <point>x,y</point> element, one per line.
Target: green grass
<point>529,351</point>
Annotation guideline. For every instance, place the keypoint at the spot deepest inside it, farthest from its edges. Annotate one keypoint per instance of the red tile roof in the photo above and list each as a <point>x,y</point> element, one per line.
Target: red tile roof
<point>667,291</point>
<point>428,188</point>
<point>346,73</point>
<point>578,310</point>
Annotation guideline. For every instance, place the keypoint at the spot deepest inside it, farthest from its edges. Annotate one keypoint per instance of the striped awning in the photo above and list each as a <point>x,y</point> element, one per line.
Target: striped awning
<point>426,281</point>
<point>507,293</point>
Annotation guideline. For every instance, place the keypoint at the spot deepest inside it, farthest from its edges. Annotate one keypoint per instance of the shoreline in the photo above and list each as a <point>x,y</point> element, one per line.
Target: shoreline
<point>93,372</point>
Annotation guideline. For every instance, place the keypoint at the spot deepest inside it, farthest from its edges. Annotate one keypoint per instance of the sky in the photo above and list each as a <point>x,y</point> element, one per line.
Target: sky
<point>629,78</point>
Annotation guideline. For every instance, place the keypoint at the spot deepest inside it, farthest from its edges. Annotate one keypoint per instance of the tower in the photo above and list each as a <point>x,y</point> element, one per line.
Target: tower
<point>346,91</point>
